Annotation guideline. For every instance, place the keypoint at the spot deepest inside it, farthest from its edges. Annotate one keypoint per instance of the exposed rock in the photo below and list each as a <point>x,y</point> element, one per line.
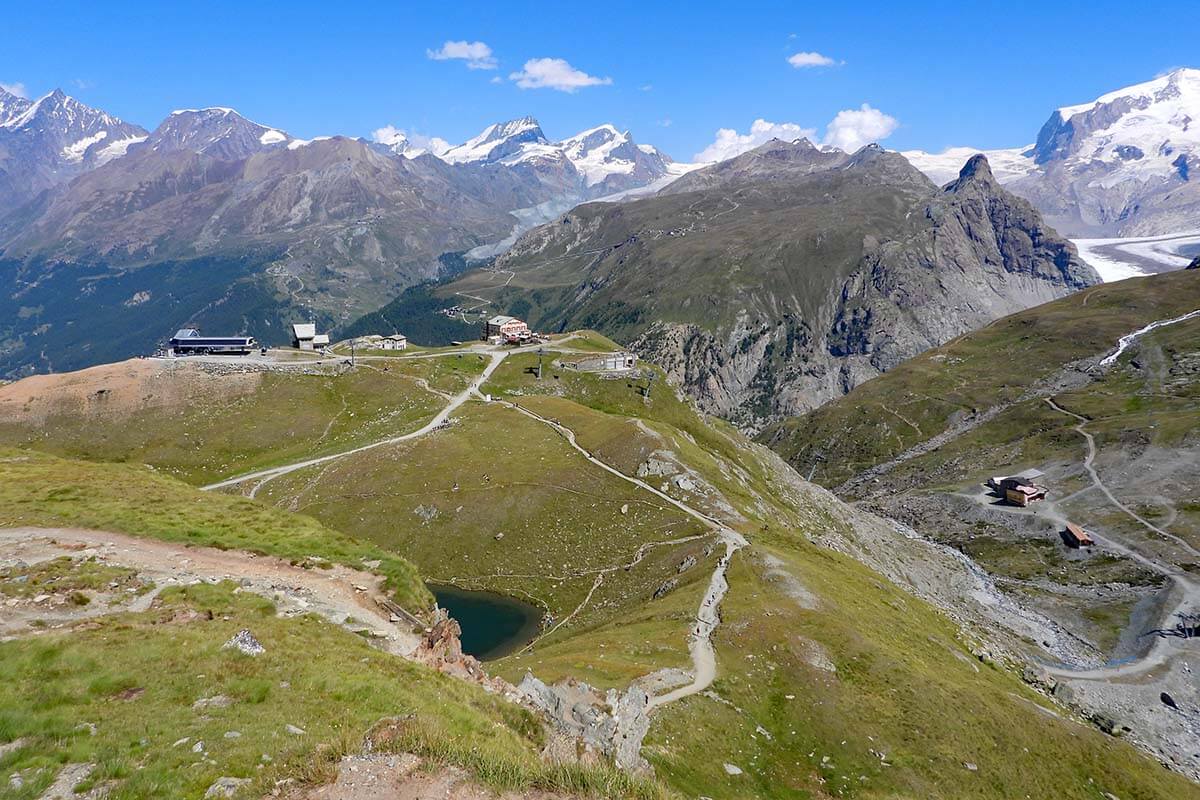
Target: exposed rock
<point>667,586</point>
<point>63,787</point>
<point>294,730</point>
<point>11,747</point>
<point>441,649</point>
<point>777,573</point>
<point>731,769</point>
<point>209,703</point>
<point>1039,677</point>
<point>614,723</point>
<point>244,642</point>
<point>225,787</point>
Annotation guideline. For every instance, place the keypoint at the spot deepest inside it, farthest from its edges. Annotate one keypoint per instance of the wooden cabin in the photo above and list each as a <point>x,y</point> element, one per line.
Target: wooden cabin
<point>1077,536</point>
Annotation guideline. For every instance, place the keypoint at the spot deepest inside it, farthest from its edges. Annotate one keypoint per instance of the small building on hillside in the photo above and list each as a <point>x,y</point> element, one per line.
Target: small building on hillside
<point>1002,483</point>
<point>1022,495</point>
<point>1076,536</point>
<point>510,329</point>
<point>188,342</point>
<point>305,336</point>
<point>396,341</point>
<point>604,362</point>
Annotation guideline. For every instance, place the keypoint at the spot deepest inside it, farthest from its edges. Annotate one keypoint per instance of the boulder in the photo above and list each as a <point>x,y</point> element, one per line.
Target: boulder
<point>225,787</point>
<point>244,642</point>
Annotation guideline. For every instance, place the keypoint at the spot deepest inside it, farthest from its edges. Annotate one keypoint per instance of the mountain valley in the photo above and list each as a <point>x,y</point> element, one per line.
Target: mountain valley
<point>544,467</point>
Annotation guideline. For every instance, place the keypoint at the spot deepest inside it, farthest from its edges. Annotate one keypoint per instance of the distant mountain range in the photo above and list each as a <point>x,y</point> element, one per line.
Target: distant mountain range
<point>1125,164</point>
<point>214,220</point>
<point>261,226</point>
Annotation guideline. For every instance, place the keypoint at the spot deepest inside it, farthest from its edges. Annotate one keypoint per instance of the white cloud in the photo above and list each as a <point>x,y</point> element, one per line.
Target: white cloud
<point>849,130</point>
<point>730,143</point>
<point>554,73</point>
<point>83,84</point>
<point>14,88</point>
<point>852,129</point>
<point>801,60</point>
<point>390,135</point>
<point>477,54</point>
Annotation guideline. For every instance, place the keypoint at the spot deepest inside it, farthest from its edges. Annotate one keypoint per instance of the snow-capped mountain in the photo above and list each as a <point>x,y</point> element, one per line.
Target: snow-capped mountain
<point>51,140</point>
<point>11,105</point>
<point>218,132</point>
<point>499,142</point>
<point>602,160</point>
<point>1123,164</point>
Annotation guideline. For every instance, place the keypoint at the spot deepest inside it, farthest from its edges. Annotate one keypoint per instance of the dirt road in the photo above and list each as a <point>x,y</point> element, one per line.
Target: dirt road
<point>336,594</point>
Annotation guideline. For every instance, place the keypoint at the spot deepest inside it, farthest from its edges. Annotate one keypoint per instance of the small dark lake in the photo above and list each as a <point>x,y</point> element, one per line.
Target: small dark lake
<point>493,625</point>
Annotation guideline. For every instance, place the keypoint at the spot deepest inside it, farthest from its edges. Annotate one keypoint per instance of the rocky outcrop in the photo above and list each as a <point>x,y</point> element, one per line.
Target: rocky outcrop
<point>612,723</point>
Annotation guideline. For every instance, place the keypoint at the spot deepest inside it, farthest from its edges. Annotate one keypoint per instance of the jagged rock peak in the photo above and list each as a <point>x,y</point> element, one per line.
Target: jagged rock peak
<point>977,169</point>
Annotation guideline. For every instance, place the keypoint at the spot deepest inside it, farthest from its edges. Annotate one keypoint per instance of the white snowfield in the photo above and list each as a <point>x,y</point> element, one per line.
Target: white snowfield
<point>941,168</point>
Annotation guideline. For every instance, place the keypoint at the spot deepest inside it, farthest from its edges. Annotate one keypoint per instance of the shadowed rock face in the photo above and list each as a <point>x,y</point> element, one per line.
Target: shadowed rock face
<point>783,278</point>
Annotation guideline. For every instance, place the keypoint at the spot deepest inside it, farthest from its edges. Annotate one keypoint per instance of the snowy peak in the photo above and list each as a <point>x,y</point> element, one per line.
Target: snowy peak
<point>218,132</point>
<point>11,106</point>
<point>603,157</point>
<point>1163,88</point>
<point>398,142</point>
<point>60,132</point>
<point>497,142</point>
<point>1153,122</point>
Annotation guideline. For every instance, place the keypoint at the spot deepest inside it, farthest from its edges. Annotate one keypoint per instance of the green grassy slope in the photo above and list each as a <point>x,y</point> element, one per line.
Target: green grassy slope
<point>38,490</point>
<point>867,666</point>
<point>903,684</point>
<point>119,695</point>
<point>202,426</point>
<point>994,366</point>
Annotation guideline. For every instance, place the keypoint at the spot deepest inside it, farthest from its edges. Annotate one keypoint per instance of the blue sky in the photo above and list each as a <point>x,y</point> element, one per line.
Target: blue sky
<point>937,73</point>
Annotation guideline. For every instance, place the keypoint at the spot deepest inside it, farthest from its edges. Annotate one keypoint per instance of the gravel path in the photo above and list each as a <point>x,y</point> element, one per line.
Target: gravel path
<point>336,594</point>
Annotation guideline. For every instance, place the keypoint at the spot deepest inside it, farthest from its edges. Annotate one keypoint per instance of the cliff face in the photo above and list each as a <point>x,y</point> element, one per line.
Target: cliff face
<point>767,295</point>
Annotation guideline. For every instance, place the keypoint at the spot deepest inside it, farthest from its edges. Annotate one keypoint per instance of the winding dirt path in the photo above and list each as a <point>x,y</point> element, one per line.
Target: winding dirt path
<point>265,475</point>
<point>1185,592</point>
<point>336,594</point>
<point>708,614</point>
<point>1089,465</point>
<point>700,647</point>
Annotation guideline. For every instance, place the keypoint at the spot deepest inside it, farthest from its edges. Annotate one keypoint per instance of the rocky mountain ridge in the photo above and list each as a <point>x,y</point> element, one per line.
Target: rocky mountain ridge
<point>784,277</point>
